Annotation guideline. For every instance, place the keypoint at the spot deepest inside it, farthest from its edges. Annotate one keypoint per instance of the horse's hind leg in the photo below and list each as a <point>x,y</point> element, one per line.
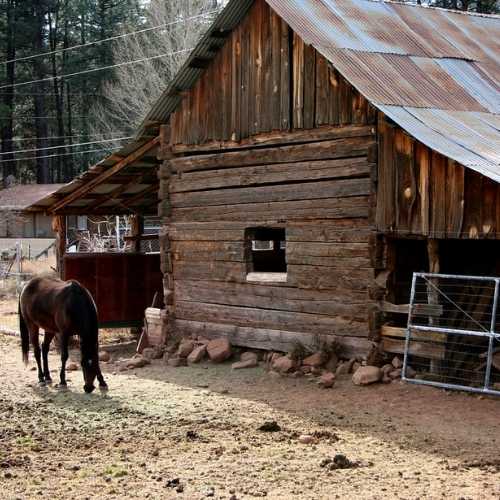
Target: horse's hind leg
<point>45,355</point>
<point>64,357</point>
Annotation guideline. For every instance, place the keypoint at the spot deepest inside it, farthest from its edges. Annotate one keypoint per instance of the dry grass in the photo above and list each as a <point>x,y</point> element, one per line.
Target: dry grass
<point>41,266</point>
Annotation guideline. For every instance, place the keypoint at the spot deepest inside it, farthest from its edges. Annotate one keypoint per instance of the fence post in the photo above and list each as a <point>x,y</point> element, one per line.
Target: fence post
<point>18,263</point>
<point>489,359</point>
<point>407,340</point>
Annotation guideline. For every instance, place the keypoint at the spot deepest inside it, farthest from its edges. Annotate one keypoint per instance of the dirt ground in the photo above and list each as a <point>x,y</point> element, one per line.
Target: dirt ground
<point>192,432</point>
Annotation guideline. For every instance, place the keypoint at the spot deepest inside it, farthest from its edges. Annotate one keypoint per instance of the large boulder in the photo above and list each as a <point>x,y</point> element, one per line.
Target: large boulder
<point>283,364</point>
<point>104,356</point>
<point>366,375</point>
<point>197,354</point>
<point>185,348</point>
<point>314,360</point>
<point>327,380</point>
<point>219,350</point>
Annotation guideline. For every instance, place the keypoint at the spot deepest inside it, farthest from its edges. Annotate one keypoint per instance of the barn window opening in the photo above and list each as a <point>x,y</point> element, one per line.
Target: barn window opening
<point>266,254</point>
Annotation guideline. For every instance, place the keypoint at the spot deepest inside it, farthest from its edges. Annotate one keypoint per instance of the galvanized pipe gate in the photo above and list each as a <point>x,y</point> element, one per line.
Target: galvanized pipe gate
<point>452,337</point>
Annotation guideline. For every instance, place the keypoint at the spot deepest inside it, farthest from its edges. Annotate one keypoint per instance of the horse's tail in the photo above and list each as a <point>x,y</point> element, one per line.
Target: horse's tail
<point>25,336</point>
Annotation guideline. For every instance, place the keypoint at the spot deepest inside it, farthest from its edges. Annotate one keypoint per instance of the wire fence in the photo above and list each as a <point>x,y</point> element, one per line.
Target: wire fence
<point>452,337</point>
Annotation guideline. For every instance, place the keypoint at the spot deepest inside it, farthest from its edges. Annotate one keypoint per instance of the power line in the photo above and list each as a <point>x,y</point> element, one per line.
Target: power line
<point>65,146</point>
<point>42,117</point>
<point>26,139</point>
<point>55,156</point>
<point>104,40</point>
<point>94,70</point>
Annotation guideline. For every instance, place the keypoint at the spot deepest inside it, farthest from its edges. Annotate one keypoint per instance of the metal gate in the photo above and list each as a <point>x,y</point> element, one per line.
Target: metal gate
<point>453,339</point>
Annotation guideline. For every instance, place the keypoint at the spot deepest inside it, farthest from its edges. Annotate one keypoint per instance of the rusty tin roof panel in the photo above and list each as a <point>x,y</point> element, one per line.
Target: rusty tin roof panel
<point>448,140</point>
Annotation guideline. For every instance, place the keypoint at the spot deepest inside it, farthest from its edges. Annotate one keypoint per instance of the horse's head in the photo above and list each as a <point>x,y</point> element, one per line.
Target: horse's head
<point>90,368</point>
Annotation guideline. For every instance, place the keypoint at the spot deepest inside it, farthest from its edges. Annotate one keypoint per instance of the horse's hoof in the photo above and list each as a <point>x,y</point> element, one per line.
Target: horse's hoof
<point>48,381</point>
<point>42,383</point>
<point>61,387</point>
<point>103,388</point>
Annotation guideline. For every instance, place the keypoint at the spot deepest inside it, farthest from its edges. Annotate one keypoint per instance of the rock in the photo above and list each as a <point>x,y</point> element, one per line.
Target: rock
<point>271,426</point>
<point>316,370</point>
<point>104,356</point>
<point>72,366</point>
<point>137,362</point>
<point>410,372</point>
<point>176,362</point>
<point>394,374</point>
<point>386,369</point>
<point>297,374</point>
<point>197,354</point>
<point>249,363</point>
<point>306,439</point>
<point>332,363</point>
<point>305,369</point>
<point>345,368</point>
<point>202,340</point>
<point>158,351</point>
<point>185,348</point>
<point>314,360</point>
<point>397,363</point>
<point>283,364</point>
<point>355,367</point>
<point>219,350</point>
<point>367,375</point>
<point>249,355</point>
<point>386,379</point>
<point>148,353</point>
<point>327,380</point>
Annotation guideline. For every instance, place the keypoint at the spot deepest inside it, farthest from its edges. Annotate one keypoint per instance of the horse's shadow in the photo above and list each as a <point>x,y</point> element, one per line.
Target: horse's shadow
<point>74,397</point>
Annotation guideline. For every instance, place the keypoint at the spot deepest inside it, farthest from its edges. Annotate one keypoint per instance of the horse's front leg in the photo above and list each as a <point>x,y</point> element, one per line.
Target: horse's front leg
<point>36,349</point>
<point>102,383</point>
<point>45,356</point>
<point>64,358</point>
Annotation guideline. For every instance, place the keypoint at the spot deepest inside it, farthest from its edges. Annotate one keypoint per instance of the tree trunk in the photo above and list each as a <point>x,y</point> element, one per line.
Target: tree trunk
<point>7,134</point>
<point>41,121</point>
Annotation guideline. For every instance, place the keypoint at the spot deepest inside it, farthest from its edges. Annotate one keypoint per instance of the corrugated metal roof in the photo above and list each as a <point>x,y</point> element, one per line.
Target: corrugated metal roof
<point>434,72</point>
<point>403,58</point>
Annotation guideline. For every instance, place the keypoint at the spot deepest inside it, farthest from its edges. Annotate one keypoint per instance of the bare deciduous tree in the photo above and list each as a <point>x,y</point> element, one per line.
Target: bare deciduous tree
<point>136,88</point>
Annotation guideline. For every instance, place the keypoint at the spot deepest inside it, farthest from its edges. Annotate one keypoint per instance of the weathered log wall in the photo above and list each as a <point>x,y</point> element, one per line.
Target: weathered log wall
<point>421,192</point>
<point>320,193</point>
<point>265,78</point>
<point>270,136</point>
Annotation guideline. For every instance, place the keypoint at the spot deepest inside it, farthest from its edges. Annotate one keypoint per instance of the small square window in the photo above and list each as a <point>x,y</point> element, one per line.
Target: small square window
<point>266,254</point>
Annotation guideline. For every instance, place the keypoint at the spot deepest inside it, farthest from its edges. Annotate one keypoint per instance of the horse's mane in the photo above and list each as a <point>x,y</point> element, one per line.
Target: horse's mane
<point>84,311</point>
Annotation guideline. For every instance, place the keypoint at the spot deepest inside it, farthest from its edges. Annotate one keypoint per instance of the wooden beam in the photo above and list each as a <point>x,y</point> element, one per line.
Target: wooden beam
<point>105,175</point>
<point>116,192</point>
<point>138,196</point>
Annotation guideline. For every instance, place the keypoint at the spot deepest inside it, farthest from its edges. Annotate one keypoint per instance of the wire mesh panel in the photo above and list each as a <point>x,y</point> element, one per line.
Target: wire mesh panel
<point>452,338</point>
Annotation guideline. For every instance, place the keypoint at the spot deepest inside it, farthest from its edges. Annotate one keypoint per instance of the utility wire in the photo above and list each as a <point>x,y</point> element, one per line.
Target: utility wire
<point>55,156</point>
<point>94,70</point>
<point>26,139</point>
<point>65,146</point>
<point>42,117</point>
<point>104,40</point>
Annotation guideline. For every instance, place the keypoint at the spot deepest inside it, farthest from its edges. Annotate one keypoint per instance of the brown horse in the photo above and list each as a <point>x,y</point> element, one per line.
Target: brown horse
<point>61,308</point>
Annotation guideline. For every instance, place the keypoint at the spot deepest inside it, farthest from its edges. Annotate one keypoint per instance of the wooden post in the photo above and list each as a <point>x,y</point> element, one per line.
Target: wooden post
<point>59,227</point>
<point>137,228</point>
<point>432,294</point>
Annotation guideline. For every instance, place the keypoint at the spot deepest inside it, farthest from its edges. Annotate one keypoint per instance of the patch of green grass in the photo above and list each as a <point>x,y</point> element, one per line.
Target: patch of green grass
<point>115,471</point>
<point>25,441</point>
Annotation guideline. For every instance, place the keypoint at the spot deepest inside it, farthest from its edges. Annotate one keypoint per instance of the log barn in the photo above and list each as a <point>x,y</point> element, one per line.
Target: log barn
<point>312,155</point>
